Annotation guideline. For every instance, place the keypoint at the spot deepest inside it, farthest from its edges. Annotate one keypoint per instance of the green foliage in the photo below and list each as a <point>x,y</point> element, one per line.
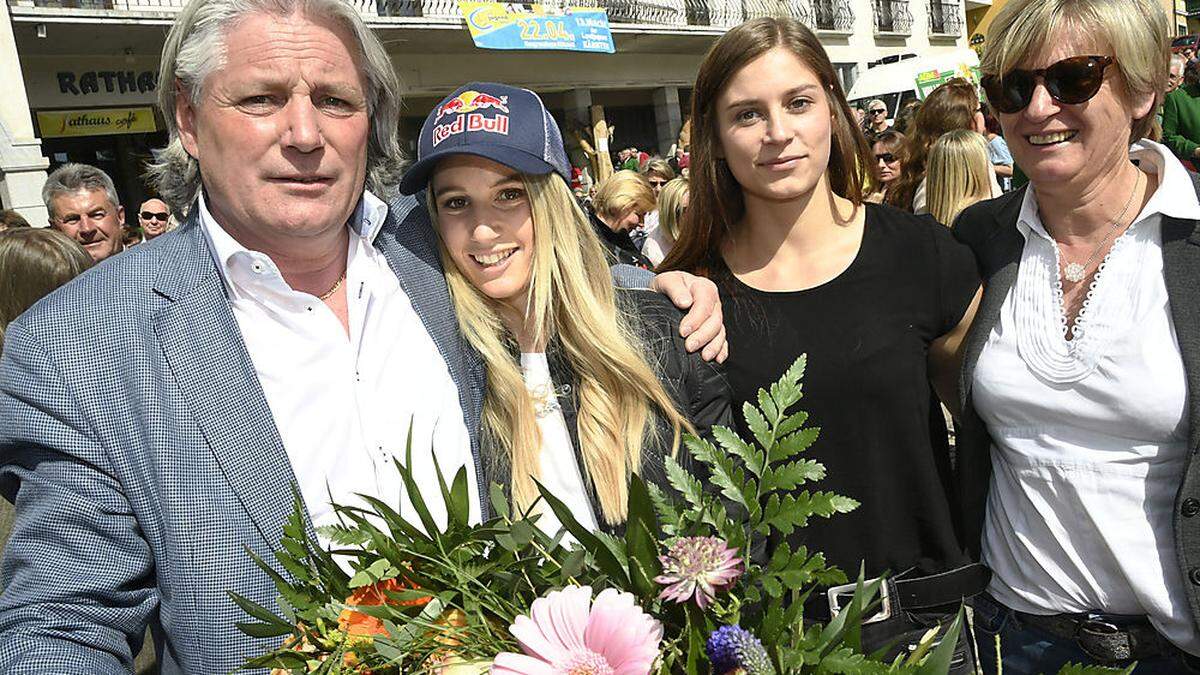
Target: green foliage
<point>452,589</point>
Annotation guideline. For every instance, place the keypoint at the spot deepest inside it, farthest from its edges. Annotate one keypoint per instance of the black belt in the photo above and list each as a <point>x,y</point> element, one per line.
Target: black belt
<point>941,590</point>
<point>1107,639</point>
<point>945,588</point>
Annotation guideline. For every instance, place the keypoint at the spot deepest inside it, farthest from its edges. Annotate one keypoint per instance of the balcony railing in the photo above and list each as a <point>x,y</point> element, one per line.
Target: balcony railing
<point>835,15</point>
<point>892,16</point>
<point>945,18</point>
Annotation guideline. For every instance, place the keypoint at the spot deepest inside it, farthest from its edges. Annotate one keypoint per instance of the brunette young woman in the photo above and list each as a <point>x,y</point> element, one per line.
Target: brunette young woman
<point>878,300</point>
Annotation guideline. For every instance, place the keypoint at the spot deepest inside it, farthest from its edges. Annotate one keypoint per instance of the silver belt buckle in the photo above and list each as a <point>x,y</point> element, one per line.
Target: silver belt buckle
<point>836,593</point>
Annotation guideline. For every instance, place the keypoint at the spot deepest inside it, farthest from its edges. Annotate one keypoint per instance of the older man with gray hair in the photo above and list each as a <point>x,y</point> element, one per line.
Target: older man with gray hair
<point>83,204</point>
<point>155,414</point>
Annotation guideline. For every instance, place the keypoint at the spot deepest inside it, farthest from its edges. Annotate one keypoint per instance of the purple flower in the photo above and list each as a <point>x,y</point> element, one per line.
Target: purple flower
<point>698,567</point>
<point>732,648</point>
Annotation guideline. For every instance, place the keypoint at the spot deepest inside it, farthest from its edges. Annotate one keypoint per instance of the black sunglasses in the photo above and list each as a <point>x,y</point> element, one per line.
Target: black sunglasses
<point>878,111</point>
<point>1071,81</point>
<point>886,158</point>
<point>146,215</point>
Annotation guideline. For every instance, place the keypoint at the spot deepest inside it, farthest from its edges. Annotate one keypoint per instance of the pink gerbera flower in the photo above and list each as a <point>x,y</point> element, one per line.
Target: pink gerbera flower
<point>698,567</point>
<point>567,634</point>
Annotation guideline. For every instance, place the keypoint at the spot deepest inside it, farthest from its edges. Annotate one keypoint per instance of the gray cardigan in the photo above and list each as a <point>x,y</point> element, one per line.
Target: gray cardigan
<point>990,229</point>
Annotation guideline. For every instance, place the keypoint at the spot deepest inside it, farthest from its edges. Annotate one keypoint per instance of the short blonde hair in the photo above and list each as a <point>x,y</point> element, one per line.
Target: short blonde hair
<point>622,191</point>
<point>670,205</point>
<point>1137,30</point>
<point>660,167</point>
<point>958,174</point>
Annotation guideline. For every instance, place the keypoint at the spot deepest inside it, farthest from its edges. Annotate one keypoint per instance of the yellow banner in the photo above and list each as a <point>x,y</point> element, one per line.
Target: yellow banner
<point>99,122</point>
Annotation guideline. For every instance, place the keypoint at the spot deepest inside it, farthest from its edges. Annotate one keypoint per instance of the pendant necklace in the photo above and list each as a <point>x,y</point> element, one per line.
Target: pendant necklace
<point>1076,272</point>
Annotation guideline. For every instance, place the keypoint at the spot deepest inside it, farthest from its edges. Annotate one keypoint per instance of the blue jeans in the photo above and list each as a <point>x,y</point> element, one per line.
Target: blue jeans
<point>1028,650</point>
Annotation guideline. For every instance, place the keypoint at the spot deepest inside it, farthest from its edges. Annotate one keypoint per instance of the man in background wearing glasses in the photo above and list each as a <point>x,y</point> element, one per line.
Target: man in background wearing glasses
<point>154,217</point>
<point>877,118</point>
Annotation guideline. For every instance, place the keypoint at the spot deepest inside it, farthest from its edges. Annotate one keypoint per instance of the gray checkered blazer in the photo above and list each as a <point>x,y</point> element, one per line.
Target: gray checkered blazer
<point>138,447</point>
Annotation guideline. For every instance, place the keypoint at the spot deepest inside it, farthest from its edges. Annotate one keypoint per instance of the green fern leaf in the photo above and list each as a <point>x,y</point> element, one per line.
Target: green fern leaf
<point>668,514</point>
<point>790,446</point>
<point>768,407</point>
<point>685,483</point>
<point>754,459</point>
<point>791,423</point>
<point>791,476</point>
<point>758,425</point>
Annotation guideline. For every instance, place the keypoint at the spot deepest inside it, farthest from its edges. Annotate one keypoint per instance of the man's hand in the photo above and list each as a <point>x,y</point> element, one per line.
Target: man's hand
<point>703,326</point>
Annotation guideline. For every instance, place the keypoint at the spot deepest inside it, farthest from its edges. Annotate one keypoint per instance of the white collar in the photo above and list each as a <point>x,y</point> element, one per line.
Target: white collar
<point>1175,196</point>
<point>366,222</point>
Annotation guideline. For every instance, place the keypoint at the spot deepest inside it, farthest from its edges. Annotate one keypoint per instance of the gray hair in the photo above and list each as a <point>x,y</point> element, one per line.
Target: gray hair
<point>874,101</point>
<point>1178,60</point>
<point>195,48</point>
<point>71,178</point>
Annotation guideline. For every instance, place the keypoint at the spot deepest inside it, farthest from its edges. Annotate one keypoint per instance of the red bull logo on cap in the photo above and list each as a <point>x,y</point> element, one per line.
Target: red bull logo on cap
<point>465,115</point>
<point>470,101</point>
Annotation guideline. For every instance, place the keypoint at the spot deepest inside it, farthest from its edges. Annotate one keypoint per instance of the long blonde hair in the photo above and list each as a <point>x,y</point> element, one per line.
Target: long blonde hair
<point>957,175</point>
<point>571,298</point>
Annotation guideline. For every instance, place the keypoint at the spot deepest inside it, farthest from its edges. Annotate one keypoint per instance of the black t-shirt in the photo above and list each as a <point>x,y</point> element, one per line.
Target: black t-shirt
<point>867,335</point>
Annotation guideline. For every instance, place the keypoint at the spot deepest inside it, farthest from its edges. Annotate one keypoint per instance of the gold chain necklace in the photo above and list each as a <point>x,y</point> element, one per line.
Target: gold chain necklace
<point>329,293</point>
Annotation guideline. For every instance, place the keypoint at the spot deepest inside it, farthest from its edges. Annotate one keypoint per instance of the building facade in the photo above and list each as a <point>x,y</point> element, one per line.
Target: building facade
<point>88,69</point>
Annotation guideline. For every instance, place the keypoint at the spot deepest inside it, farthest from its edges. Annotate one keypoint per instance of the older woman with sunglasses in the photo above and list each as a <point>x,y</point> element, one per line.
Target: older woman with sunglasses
<point>1079,435</point>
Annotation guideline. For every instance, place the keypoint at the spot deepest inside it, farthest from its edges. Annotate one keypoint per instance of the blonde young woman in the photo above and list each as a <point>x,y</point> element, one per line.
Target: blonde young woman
<point>586,385</point>
<point>958,174</point>
<point>672,204</point>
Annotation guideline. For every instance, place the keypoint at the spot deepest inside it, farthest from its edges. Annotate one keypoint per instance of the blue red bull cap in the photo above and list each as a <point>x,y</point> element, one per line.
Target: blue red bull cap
<point>505,124</point>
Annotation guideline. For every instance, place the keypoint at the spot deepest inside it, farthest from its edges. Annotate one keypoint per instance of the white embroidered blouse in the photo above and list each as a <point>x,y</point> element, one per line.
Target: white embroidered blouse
<point>1090,434</point>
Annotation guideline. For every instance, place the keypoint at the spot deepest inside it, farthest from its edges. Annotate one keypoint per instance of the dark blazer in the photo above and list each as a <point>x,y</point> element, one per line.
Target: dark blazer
<point>144,461</point>
<point>698,388</point>
<point>990,229</point>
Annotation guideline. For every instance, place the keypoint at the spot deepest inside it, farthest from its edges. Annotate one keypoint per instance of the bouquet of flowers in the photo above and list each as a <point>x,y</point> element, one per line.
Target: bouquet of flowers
<point>690,588</point>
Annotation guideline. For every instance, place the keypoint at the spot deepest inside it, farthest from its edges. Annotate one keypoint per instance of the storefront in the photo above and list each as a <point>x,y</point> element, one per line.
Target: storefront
<point>97,111</point>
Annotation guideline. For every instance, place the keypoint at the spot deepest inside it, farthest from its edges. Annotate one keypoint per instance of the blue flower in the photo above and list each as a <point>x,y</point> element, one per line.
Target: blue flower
<point>731,648</point>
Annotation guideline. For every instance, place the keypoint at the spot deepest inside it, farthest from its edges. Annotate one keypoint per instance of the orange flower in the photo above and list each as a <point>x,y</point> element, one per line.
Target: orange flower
<point>373,595</point>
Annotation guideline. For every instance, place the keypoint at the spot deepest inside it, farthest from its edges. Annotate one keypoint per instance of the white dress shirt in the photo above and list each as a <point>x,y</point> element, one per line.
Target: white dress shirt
<point>343,404</point>
<point>1090,434</point>
<point>558,464</point>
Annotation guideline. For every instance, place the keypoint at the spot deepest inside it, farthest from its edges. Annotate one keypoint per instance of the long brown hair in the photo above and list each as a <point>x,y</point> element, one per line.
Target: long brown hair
<point>950,107</point>
<point>716,202</point>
